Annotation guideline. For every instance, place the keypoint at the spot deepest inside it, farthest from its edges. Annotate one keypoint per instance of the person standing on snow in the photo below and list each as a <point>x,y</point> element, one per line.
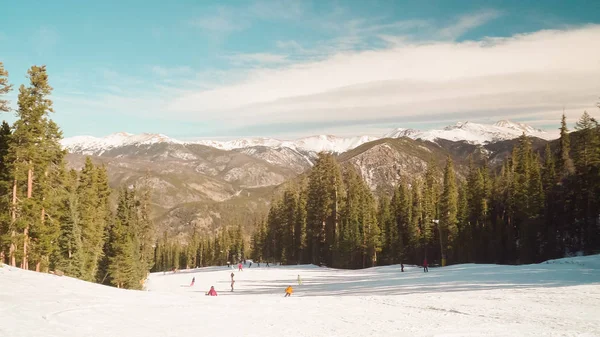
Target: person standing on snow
<point>193,281</point>
<point>240,267</point>
<point>299,280</point>
<point>288,291</point>
<point>425,266</point>
<point>402,267</point>
<point>232,282</point>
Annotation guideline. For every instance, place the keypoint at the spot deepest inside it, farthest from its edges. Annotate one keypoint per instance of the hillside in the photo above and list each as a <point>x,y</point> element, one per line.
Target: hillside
<point>559,298</point>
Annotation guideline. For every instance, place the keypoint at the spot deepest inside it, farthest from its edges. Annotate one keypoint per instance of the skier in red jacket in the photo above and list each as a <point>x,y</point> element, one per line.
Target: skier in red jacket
<point>212,291</point>
<point>425,266</point>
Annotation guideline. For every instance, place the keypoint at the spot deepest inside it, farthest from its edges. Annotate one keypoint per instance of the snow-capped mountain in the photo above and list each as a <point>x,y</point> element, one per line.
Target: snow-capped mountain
<point>88,145</point>
<point>475,133</point>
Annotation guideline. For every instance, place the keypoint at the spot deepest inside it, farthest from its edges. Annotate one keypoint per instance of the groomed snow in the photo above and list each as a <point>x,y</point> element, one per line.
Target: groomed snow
<point>559,298</point>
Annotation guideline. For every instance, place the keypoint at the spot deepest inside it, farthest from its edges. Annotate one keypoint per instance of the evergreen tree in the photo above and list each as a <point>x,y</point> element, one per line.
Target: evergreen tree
<point>323,200</point>
<point>5,88</point>
<point>565,164</point>
<point>5,185</point>
<point>34,139</point>
<point>448,212</point>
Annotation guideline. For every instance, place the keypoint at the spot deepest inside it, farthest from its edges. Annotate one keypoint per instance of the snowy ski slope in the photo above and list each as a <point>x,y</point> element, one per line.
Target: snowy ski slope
<point>558,298</point>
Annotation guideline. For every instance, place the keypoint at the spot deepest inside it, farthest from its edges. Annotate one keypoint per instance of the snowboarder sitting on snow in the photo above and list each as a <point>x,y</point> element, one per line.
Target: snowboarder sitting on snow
<point>288,291</point>
<point>212,291</point>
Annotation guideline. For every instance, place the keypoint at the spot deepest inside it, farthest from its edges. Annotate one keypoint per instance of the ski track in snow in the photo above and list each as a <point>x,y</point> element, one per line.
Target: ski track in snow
<point>559,298</point>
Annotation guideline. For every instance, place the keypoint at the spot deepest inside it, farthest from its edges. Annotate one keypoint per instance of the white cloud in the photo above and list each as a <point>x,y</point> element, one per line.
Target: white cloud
<point>468,22</point>
<point>526,75</point>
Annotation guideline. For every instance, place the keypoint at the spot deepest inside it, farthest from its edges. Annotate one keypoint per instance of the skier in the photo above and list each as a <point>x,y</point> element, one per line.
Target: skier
<point>258,264</point>
<point>250,265</point>
<point>299,280</point>
<point>232,282</point>
<point>193,281</point>
<point>228,264</point>
<point>425,266</point>
<point>240,267</point>
<point>288,291</point>
<point>402,267</point>
<point>267,263</point>
<point>212,291</point>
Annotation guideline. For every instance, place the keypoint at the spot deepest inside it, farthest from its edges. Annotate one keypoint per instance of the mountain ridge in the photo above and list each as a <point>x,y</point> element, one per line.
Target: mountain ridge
<point>474,133</point>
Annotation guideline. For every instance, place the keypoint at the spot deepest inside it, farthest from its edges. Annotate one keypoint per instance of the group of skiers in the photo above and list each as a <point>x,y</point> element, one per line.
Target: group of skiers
<point>289,290</point>
<point>212,292</point>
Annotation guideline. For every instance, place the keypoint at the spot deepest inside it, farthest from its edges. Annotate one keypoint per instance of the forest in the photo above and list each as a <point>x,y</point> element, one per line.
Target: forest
<point>532,207</point>
<point>55,219</point>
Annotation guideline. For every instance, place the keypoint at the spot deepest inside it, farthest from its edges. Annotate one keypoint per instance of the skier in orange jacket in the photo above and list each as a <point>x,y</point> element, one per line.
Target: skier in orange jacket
<point>288,291</point>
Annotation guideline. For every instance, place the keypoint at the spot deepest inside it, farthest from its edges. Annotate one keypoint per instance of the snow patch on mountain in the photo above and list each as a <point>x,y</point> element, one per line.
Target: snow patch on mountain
<point>476,133</point>
<point>89,145</point>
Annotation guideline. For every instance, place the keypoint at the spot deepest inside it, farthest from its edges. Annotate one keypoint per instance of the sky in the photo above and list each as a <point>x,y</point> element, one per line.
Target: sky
<point>287,68</point>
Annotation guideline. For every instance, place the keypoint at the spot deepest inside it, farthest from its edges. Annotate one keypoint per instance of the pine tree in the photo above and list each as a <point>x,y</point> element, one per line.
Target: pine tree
<point>5,88</point>
<point>389,230</point>
<point>34,134</point>
<point>565,164</point>
<point>92,232</point>
<point>71,252</point>
<point>586,153</point>
<point>448,213</point>
<point>323,200</point>
<point>5,185</point>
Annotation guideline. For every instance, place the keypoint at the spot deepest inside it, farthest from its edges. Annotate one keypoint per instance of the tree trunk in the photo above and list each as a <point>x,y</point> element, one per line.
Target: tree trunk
<point>37,266</point>
<point>13,246</point>
<point>25,263</point>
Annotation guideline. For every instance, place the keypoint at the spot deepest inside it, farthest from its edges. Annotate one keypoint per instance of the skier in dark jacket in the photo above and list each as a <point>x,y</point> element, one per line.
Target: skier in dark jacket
<point>425,266</point>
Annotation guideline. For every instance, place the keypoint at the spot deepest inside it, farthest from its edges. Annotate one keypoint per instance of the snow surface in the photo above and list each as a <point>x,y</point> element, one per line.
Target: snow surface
<point>558,298</point>
<point>468,131</point>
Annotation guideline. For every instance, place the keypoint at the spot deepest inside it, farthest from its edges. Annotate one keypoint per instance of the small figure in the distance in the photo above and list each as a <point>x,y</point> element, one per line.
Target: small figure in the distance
<point>193,281</point>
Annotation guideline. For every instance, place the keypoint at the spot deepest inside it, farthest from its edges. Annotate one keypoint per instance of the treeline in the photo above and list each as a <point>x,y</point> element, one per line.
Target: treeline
<point>56,219</point>
<point>532,208</point>
<point>201,250</point>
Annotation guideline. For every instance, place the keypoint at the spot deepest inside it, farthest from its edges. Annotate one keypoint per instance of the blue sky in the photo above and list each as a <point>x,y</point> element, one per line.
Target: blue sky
<point>208,69</point>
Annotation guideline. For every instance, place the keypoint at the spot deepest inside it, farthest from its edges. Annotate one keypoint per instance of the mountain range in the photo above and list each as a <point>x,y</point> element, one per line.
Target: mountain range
<point>205,184</point>
<point>473,133</point>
